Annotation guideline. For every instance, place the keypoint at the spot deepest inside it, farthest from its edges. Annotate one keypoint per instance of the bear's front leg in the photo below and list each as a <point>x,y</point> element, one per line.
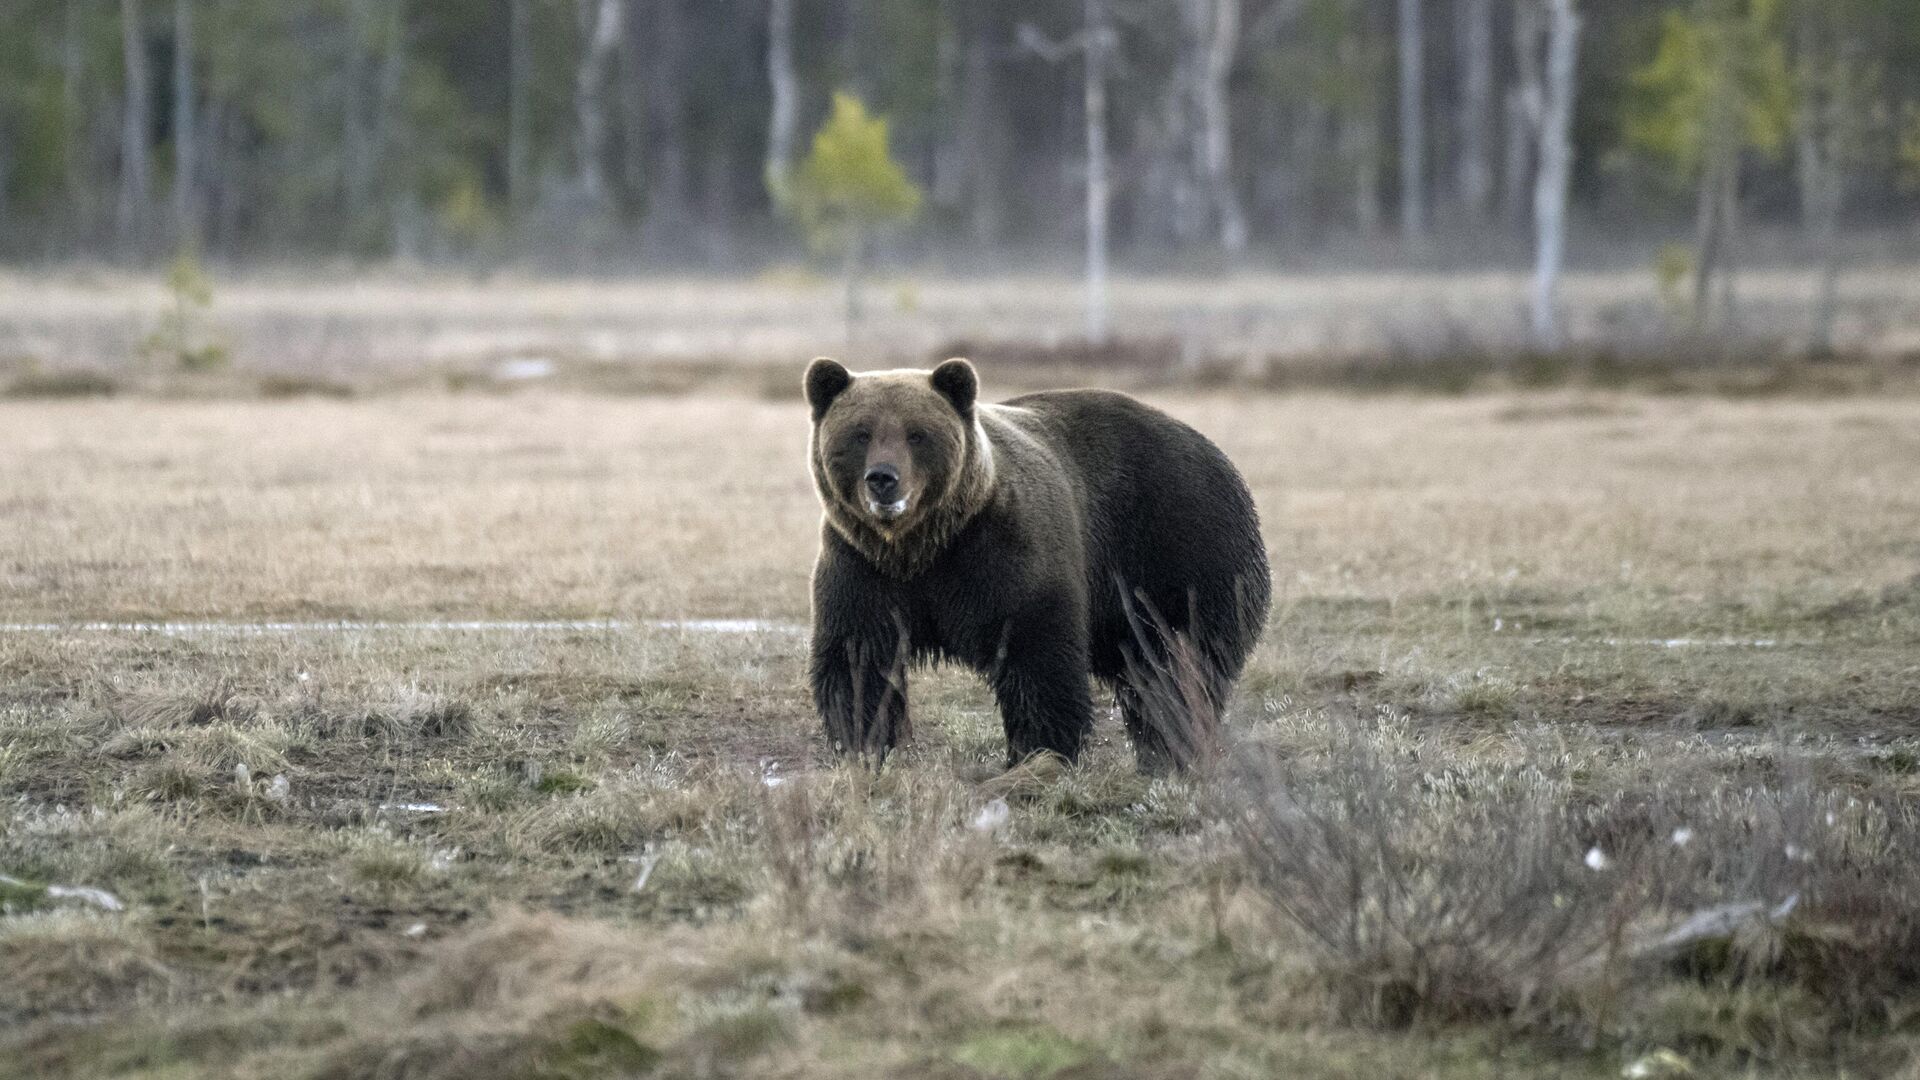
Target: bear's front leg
<point>860,689</point>
<point>859,662</point>
<point>1040,681</point>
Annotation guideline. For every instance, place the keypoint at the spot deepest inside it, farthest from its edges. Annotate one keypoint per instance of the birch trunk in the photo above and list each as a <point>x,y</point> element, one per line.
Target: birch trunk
<point>982,136</point>
<point>600,29</point>
<point>1556,167</point>
<point>389,129</point>
<point>1359,139</point>
<point>186,214</point>
<point>1830,131</point>
<point>631,75</point>
<point>1413,131</point>
<point>519,104</point>
<point>1824,231</point>
<point>71,122</point>
<point>669,219</point>
<point>783,125</point>
<point>1215,131</point>
<point>1098,192</point>
<point>1476,106</point>
<point>948,181</point>
<point>357,153</point>
<point>390,137</point>
<point>1524,105</point>
<point>135,168</point>
<point>1713,225</point>
<point>1730,240</point>
<point>1719,195</point>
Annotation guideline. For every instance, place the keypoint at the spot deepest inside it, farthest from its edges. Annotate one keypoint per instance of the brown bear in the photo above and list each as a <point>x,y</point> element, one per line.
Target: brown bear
<point>1056,535</point>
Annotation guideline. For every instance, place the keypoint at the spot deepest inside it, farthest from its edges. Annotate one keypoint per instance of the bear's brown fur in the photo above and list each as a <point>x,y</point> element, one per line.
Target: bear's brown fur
<point>1038,541</point>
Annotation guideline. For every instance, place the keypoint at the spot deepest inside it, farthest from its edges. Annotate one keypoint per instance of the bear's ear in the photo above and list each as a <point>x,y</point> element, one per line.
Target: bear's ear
<point>826,378</point>
<point>958,383</point>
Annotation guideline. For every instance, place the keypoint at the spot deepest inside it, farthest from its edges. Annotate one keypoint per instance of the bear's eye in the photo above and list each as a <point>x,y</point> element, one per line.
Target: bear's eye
<point>915,438</point>
<point>862,438</point>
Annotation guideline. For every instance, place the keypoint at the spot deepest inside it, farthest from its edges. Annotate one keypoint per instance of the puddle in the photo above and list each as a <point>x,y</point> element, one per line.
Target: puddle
<point>730,626</point>
<point>351,626</point>
<point>694,626</point>
<point>1676,643</point>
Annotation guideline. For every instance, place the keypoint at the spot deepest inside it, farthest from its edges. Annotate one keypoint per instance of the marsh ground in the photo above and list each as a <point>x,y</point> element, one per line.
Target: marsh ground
<point>621,850</point>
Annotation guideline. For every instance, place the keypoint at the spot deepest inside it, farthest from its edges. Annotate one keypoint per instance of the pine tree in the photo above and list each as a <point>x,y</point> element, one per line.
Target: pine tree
<point>848,188</point>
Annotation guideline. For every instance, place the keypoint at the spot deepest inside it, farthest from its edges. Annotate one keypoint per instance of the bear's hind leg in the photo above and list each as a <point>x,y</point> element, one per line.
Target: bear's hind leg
<point>1150,751</point>
<point>1171,701</point>
<point>1040,682</point>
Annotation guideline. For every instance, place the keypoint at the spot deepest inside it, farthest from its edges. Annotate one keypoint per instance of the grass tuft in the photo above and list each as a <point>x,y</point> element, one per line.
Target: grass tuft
<point>35,385</point>
<point>1021,1054</point>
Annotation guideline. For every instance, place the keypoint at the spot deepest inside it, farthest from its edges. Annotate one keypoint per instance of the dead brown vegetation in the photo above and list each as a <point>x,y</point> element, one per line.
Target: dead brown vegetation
<point>1509,631</point>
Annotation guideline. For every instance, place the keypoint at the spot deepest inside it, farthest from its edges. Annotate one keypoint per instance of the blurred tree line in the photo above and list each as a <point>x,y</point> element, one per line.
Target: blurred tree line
<point>658,131</point>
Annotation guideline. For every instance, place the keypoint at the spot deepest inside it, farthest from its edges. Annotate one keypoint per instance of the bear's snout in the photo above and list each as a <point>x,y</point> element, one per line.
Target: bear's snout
<point>884,482</point>
<point>884,495</point>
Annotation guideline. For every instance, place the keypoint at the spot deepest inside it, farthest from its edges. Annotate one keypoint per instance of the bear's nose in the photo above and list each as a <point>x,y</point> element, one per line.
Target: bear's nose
<point>883,481</point>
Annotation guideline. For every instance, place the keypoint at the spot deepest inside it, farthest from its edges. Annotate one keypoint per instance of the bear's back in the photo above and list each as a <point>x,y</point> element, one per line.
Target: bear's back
<point>1125,456</point>
<point>1162,508</point>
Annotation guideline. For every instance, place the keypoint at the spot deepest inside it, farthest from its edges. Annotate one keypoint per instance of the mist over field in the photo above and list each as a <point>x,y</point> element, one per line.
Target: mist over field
<point>406,537</point>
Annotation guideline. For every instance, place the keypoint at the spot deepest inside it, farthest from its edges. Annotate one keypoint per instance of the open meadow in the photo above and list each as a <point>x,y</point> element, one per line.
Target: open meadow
<point>1584,737</point>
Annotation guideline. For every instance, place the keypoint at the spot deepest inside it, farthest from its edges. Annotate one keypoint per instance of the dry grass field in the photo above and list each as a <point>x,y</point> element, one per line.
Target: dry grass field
<point>1584,740</point>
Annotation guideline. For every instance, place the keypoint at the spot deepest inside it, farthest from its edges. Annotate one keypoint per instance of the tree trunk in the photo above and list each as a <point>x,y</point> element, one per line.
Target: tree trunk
<point>1809,168</point>
<point>599,32</point>
<point>390,136</point>
<point>1413,128</point>
<point>1301,214</point>
<point>71,122</point>
<point>1360,137</point>
<point>1819,200</point>
<point>1524,105</point>
<point>186,195</point>
<point>1730,240</point>
<point>982,136</point>
<point>1713,226</point>
<point>6,170</point>
<point>948,167</point>
<point>717,203</point>
<point>1830,129</point>
<point>357,154</point>
<point>783,125</point>
<point>1360,143</point>
<point>669,220</point>
<point>631,75</point>
<point>1098,193</point>
<point>1556,167</point>
<point>519,104</point>
<point>1706,241</point>
<point>1716,231</point>
<point>1215,129</point>
<point>1179,146</point>
<point>219,202</point>
<point>1476,107</point>
<point>1824,231</point>
<point>135,171</point>
<point>1719,196</point>
<point>390,133</point>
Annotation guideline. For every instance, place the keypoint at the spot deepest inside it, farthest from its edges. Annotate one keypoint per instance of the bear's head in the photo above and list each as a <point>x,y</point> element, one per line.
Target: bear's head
<point>899,457</point>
